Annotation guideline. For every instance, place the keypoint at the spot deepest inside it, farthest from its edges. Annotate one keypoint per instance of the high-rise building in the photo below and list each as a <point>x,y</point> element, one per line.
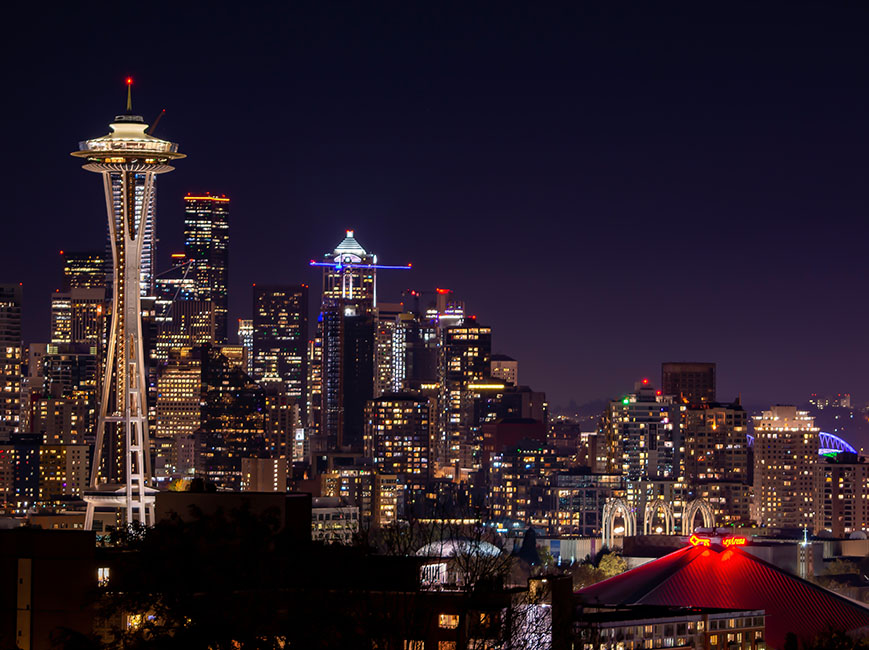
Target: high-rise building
<point>398,435</point>
<point>515,474</point>
<point>232,416</point>
<point>786,444</point>
<point>206,244</point>
<point>187,323</point>
<point>85,270</point>
<point>843,501</point>
<point>346,327</point>
<point>11,357</point>
<point>389,349</point>
<point>244,338</point>
<point>62,471</point>
<point>644,436</point>
<point>78,316</point>
<point>280,337</point>
<point>128,159</point>
<point>283,422</point>
<point>466,352</point>
<point>178,410</point>
<point>688,382</point>
<point>318,443</point>
<point>506,368</point>
<point>719,465</point>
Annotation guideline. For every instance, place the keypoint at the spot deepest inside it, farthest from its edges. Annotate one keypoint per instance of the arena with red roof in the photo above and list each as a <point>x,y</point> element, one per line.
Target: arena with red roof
<point>713,576</point>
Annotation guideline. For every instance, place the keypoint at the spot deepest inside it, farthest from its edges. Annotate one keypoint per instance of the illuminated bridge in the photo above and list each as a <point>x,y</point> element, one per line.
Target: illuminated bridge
<point>830,444</point>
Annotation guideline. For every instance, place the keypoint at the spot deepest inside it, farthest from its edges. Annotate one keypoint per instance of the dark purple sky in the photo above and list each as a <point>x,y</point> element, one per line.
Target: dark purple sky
<point>608,187</point>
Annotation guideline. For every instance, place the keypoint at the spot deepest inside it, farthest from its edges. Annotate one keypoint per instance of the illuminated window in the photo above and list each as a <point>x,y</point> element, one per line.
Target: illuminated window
<point>448,621</point>
<point>103,576</point>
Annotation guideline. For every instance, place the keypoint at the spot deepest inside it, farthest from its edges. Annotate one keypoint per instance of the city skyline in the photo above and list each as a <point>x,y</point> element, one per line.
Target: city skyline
<point>605,185</point>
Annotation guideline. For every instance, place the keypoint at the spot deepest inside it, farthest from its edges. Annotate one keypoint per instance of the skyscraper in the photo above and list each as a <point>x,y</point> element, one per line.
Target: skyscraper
<point>643,435</point>
<point>389,349</point>
<point>688,382</point>
<point>128,159</point>
<point>244,337</point>
<point>506,368</point>
<point>346,327</point>
<point>78,316</point>
<point>84,270</point>
<point>466,354</point>
<point>280,337</point>
<point>398,434</point>
<point>718,462</point>
<point>206,244</point>
<point>786,444</point>
<point>11,357</point>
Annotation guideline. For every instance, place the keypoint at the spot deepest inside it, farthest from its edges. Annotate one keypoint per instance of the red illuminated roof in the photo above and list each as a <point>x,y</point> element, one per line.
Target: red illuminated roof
<point>699,576</point>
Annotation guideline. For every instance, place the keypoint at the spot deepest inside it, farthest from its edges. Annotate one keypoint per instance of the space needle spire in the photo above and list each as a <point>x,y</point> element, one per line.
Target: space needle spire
<point>128,159</point>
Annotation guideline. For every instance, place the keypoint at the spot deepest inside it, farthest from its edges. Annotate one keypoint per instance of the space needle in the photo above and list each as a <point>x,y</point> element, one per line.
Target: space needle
<point>128,160</point>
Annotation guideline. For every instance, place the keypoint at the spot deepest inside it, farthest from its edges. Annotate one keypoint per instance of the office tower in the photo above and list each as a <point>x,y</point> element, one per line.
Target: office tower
<point>506,368</point>
<point>786,444</point>
<point>346,327</point>
<point>64,420</point>
<point>244,338</point>
<point>389,355</point>
<point>718,462</point>
<point>78,316</point>
<point>495,399</point>
<point>180,318</point>
<point>644,436</point>
<point>19,471</point>
<point>314,421</point>
<point>466,353</point>
<point>517,476</point>
<point>398,435</point>
<point>84,270</point>
<point>206,244</point>
<point>71,371</point>
<point>178,409</point>
<point>62,471</point>
<point>283,422</point>
<point>128,159</point>
<point>843,501</point>
<point>689,382</point>
<point>232,416</point>
<point>11,357</point>
<point>187,323</point>
<point>280,336</point>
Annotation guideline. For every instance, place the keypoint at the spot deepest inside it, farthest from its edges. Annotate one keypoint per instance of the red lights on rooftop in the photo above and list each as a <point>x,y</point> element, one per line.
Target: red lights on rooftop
<point>645,382</point>
<point>129,81</point>
<point>443,292</point>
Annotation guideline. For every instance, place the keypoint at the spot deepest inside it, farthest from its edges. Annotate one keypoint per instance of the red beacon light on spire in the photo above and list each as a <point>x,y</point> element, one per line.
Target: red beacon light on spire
<point>645,381</point>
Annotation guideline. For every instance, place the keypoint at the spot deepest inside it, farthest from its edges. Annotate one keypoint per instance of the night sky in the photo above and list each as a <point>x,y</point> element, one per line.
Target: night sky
<point>607,186</point>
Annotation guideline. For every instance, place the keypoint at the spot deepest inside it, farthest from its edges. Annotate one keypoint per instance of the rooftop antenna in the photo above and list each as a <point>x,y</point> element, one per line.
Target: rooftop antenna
<point>129,94</point>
